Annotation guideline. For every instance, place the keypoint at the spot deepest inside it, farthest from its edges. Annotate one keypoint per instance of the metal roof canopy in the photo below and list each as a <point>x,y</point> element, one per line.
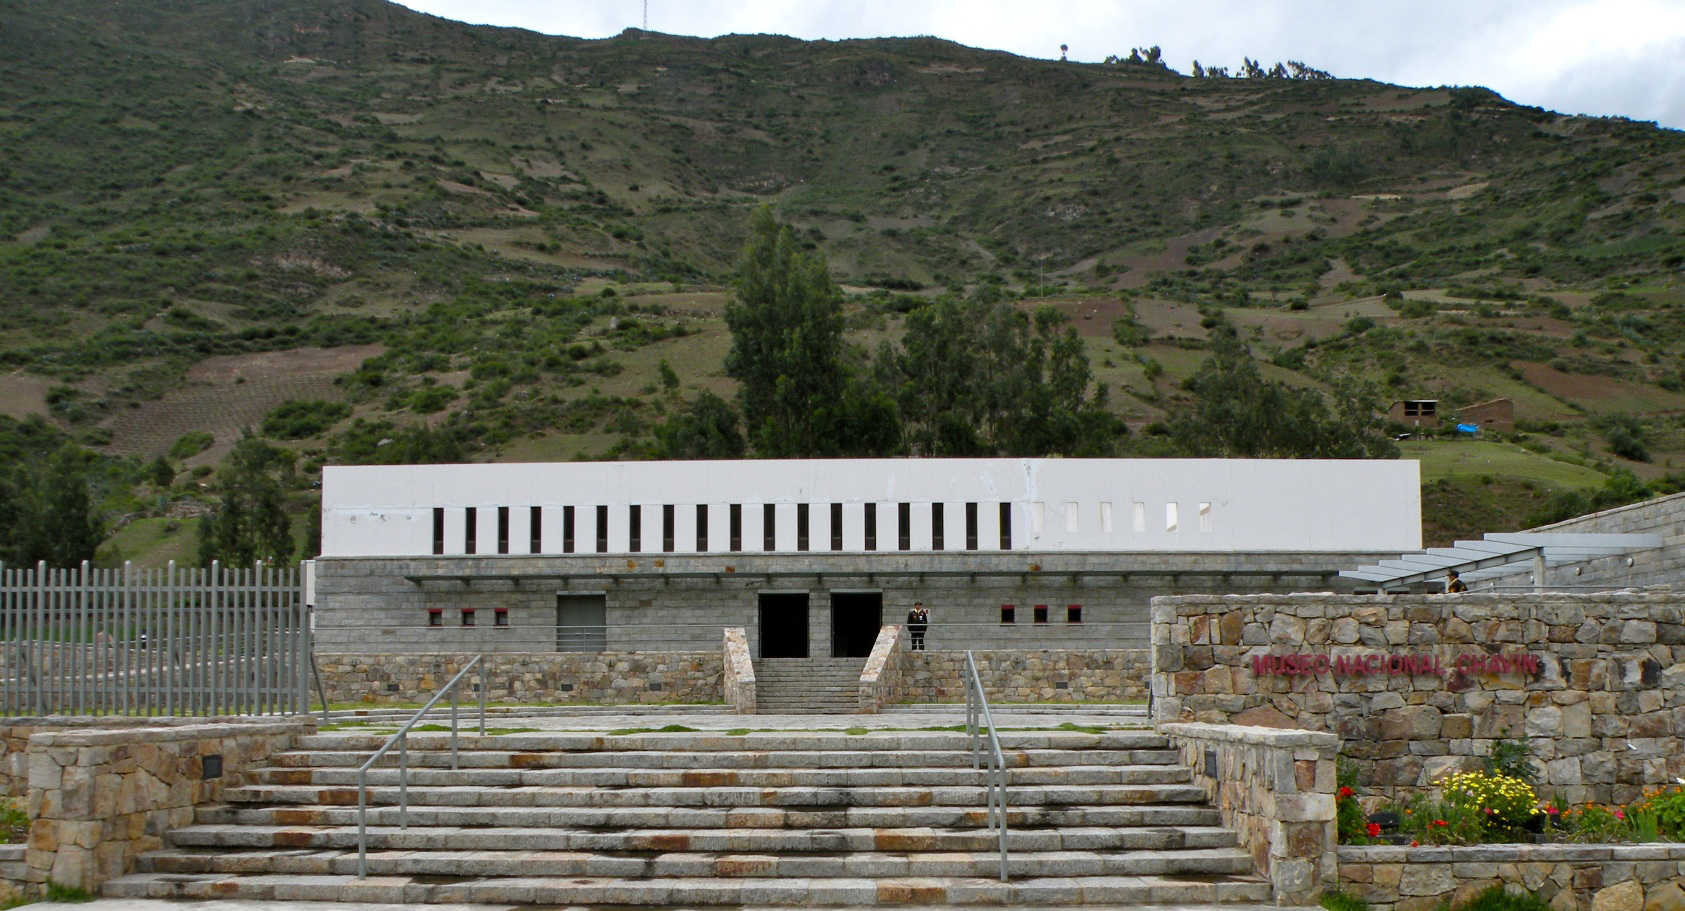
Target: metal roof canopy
<point>1497,554</point>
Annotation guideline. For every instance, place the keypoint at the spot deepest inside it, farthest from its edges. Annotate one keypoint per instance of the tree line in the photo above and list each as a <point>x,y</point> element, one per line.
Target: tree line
<point>972,376</point>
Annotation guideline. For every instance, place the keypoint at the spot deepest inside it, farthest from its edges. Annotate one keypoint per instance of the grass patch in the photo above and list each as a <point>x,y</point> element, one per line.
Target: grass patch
<point>737,732</point>
<point>1342,901</point>
<point>14,823</point>
<point>1081,728</point>
<point>854,732</point>
<point>58,892</point>
<point>1443,459</point>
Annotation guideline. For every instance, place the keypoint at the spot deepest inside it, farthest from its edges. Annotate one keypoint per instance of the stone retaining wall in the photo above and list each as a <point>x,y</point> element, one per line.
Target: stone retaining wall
<point>100,798</point>
<point>1443,677</point>
<point>1030,675</point>
<point>1645,877</point>
<point>883,680</point>
<point>586,678</point>
<point>1276,790</point>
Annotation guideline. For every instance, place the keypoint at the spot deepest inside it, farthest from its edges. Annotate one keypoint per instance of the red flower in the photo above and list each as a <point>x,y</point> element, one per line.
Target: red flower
<point>1346,792</point>
<point>1620,815</point>
<point>1415,844</point>
<point>1440,822</point>
<point>1374,829</point>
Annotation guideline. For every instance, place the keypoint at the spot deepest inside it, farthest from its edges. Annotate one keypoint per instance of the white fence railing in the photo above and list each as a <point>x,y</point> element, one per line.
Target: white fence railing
<point>132,641</point>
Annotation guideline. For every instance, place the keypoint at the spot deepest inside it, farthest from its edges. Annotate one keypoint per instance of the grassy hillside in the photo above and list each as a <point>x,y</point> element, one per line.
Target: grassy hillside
<point>211,208</point>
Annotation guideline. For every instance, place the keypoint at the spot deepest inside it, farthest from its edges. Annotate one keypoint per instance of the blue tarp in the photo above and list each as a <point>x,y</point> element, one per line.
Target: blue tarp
<point>1468,428</point>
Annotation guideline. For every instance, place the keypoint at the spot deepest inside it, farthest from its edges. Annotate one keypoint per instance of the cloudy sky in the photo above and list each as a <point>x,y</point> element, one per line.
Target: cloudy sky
<point>1604,57</point>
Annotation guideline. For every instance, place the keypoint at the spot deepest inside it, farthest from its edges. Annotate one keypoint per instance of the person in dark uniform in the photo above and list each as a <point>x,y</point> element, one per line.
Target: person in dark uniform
<point>1453,583</point>
<point>918,620</point>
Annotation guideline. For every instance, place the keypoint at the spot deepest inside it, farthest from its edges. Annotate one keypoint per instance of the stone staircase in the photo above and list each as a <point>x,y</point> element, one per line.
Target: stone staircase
<point>694,820</point>
<point>808,686</point>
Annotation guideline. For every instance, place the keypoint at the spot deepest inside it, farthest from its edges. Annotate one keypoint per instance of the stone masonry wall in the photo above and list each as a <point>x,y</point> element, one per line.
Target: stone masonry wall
<point>679,602</point>
<point>1030,675</point>
<point>100,798</point>
<point>1597,681</point>
<point>1647,877</point>
<point>1276,790</point>
<point>584,678</point>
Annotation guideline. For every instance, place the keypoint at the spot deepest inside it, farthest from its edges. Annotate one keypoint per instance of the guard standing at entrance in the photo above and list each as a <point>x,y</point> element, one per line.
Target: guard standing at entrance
<point>918,620</point>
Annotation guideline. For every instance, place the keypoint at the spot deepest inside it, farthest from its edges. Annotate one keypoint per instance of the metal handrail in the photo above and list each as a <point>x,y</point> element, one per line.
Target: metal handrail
<point>992,763</point>
<point>401,739</point>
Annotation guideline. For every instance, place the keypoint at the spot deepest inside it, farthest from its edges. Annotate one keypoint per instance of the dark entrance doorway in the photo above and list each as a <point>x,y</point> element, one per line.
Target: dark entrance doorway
<point>783,625</point>
<point>581,623</point>
<point>855,620</point>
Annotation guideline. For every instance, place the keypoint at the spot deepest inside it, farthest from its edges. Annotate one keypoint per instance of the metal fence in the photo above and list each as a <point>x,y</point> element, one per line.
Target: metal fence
<point>131,641</point>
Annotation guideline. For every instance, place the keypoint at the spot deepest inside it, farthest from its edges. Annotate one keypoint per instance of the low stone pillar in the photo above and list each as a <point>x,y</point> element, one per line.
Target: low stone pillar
<point>739,682</point>
<point>1276,788</point>
<point>100,798</point>
<point>883,679</point>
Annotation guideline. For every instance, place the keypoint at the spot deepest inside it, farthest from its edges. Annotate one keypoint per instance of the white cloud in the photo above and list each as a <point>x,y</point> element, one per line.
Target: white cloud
<point>1605,57</point>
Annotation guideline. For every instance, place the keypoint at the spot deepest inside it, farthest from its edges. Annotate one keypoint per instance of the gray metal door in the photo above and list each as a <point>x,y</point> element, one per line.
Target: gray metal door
<point>581,623</point>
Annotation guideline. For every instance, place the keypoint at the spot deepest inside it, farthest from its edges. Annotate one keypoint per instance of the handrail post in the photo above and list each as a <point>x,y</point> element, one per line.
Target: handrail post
<point>994,775</point>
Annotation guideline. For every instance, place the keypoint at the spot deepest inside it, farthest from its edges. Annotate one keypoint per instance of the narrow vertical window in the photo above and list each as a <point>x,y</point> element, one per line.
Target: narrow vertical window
<point>470,530</point>
<point>1008,615</point>
<point>836,527</point>
<point>468,616</point>
<point>938,528</point>
<point>1205,517</point>
<point>736,527</point>
<point>971,526</point>
<point>500,616</point>
<point>1106,518</point>
<point>438,530</point>
<point>1073,613</point>
<point>904,518</point>
<point>1071,523</point>
<point>502,529</point>
<point>1172,516</point>
<point>635,528</point>
<point>535,529</point>
<point>1038,517</point>
<point>435,616</point>
<point>667,542</point>
<point>1140,522</point>
<point>602,529</point>
<point>1039,613</point>
<point>1006,526</point>
<point>701,528</point>
<point>801,526</point>
<point>567,529</point>
<point>769,527</point>
<point>871,526</point>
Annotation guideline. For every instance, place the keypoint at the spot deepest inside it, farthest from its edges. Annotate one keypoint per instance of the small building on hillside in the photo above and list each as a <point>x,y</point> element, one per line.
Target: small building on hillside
<point>812,557</point>
<point>1496,415</point>
<point>1415,412</point>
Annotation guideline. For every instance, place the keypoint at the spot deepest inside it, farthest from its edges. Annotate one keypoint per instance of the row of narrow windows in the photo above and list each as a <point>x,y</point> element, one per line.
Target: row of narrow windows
<point>667,529</point>
<point>1008,615</point>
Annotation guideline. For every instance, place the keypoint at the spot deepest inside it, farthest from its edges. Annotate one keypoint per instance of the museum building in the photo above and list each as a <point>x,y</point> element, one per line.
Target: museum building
<point>812,557</point>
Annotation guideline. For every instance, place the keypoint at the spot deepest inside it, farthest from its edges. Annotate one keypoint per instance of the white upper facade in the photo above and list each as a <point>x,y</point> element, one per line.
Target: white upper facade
<point>872,505</point>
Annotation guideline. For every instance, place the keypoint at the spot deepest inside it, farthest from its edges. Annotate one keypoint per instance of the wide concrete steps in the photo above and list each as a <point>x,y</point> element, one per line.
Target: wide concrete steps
<point>471,796</point>
<point>720,778</point>
<point>1155,817</point>
<point>526,839</point>
<point>731,891</point>
<point>696,820</point>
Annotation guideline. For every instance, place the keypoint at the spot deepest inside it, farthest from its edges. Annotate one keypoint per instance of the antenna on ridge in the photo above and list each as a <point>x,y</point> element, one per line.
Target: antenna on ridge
<point>646,15</point>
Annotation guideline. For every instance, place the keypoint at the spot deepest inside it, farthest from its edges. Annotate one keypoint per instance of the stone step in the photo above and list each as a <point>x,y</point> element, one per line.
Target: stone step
<point>713,778</point>
<point>1061,892</point>
<point>384,834</point>
<point>517,861</point>
<point>1029,795</point>
<point>760,741</point>
<point>1187,816</point>
<point>484,758</point>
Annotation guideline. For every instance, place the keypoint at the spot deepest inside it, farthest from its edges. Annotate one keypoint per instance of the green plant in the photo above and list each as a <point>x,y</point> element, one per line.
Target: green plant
<point>1342,901</point>
<point>14,821</point>
<point>58,892</point>
<point>1666,806</point>
<point>1440,822</point>
<point>1499,898</point>
<point>1512,758</point>
<point>1505,802</point>
<point>1596,824</point>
